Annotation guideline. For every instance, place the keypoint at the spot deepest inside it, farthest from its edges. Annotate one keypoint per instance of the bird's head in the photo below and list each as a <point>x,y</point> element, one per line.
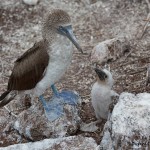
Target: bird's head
<point>56,22</point>
<point>104,77</point>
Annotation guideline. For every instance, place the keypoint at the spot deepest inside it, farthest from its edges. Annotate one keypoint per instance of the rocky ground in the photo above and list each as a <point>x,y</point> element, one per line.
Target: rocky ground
<point>93,22</point>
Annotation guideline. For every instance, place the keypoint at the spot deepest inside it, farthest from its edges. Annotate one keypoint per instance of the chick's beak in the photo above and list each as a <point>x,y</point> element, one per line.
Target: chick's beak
<point>101,74</point>
<point>67,31</point>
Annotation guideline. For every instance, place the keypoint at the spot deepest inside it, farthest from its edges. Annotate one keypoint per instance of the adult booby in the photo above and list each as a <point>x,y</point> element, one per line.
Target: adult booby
<point>46,62</point>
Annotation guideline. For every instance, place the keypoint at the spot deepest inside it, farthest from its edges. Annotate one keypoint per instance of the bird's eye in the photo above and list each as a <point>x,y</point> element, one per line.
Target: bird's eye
<point>60,28</point>
<point>105,76</point>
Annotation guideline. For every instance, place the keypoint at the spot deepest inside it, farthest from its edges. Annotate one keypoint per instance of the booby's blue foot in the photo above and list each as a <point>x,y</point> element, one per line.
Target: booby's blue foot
<point>53,108</point>
<point>54,90</point>
<point>69,97</point>
<point>43,101</point>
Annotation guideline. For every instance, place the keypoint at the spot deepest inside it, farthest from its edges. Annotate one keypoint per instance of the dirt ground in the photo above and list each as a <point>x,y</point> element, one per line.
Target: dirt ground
<point>93,21</point>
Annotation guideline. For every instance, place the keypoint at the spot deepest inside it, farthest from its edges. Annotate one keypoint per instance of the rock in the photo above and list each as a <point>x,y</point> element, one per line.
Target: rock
<point>90,127</point>
<point>129,125</point>
<point>7,134</point>
<point>109,50</point>
<point>30,2</point>
<point>62,118</point>
<point>106,142</point>
<point>65,143</point>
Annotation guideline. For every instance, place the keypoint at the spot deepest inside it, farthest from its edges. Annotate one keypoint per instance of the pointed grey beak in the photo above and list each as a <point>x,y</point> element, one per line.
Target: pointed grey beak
<point>101,74</point>
<point>67,31</point>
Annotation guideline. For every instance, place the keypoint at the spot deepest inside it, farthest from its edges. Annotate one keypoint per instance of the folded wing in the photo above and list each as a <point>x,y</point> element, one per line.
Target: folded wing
<point>29,68</point>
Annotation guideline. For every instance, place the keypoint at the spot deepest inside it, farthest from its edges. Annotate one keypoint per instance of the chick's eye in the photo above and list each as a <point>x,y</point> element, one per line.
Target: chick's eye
<point>105,76</point>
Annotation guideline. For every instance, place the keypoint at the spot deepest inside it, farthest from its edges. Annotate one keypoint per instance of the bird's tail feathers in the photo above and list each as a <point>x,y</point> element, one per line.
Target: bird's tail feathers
<point>6,97</point>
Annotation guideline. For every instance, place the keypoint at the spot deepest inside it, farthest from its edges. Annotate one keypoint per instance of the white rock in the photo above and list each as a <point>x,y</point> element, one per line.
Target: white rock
<point>66,143</point>
<point>109,50</point>
<point>129,125</point>
<point>132,113</point>
<point>30,2</point>
<point>106,142</point>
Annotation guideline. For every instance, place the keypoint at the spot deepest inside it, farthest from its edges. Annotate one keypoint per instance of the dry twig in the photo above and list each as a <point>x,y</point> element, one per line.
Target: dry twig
<point>147,22</point>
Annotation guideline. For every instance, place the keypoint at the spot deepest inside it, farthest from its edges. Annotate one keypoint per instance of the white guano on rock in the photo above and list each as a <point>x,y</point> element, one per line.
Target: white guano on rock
<point>129,125</point>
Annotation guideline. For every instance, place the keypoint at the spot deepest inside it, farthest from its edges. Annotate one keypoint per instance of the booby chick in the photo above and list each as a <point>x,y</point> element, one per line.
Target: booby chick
<point>46,62</point>
<point>101,93</point>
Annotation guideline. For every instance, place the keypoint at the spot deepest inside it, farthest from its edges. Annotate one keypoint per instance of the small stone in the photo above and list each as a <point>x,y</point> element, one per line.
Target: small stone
<point>30,2</point>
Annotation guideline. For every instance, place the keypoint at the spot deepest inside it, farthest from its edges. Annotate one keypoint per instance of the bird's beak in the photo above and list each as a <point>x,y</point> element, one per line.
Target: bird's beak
<point>67,31</point>
<point>101,74</point>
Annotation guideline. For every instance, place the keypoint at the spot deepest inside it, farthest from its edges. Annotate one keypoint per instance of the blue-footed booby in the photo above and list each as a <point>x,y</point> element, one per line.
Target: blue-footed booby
<point>101,93</point>
<point>45,63</point>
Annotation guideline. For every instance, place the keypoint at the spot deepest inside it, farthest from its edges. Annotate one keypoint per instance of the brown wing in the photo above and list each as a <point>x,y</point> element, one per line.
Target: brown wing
<point>29,68</point>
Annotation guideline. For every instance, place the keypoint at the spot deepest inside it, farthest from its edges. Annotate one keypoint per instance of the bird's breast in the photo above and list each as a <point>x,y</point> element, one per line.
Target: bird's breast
<point>61,50</point>
<point>100,91</point>
<point>60,56</point>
